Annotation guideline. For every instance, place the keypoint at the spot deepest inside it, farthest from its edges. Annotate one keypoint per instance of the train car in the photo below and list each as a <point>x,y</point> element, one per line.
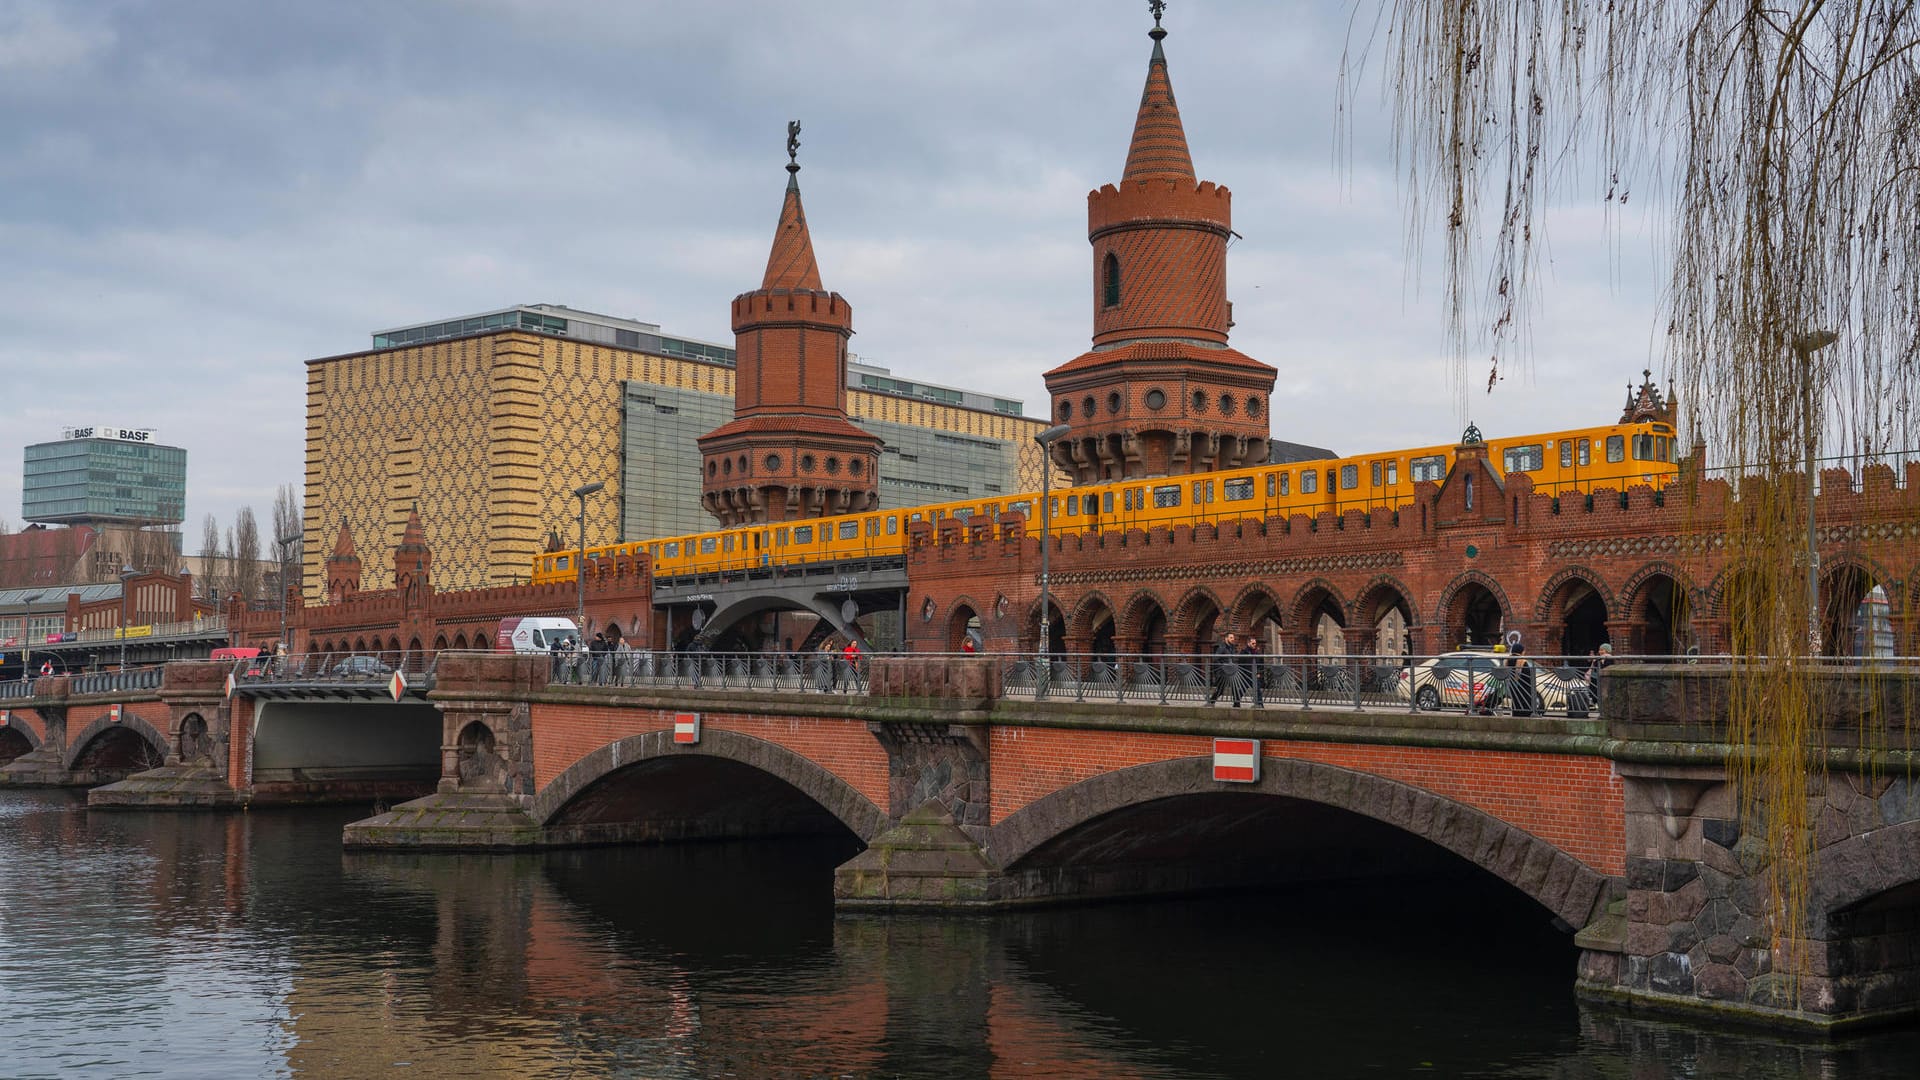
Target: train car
<point>1576,461</point>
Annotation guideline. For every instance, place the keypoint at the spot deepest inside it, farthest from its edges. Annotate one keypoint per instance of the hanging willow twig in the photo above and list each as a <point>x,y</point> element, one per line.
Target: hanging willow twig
<point>1782,142</point>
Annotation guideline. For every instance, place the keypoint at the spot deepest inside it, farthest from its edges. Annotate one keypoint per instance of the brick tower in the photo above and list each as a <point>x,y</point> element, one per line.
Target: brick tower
<point>1161,393</point>
<point>790,451</point>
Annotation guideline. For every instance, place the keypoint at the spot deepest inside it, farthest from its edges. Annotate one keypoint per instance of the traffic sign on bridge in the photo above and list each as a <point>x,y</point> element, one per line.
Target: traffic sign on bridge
<point>1236,761</point>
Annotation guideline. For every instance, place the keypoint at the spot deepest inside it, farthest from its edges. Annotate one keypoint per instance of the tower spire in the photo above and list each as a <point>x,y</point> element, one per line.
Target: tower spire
<point>790,265</point>
<point>1159,147</point>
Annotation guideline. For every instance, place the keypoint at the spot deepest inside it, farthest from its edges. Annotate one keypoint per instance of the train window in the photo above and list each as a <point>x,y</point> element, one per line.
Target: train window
<point>893,524</point>
<point>1309,481</point>
<point>1349,477</point>
<point>1026,507</point>
<point>1663,445</point>
<point>757,538</point>
<point>849,530</point>
<point>709,545</point>
<point>726,542</point>
<point>1643,447</point>
<point>962,513</point>
<point>1286,481</point>
<point>1433,467</point>
<point>780,537</point>
<point>1393,472</point>
<point>915,516</point>
<point>1375,471</point>
<point>1106,503</point>
<point>1271,485</point>
<point>1238,490</point>
<point>1126,498</point>
<point>1566,453</point>
<point>673,550</point>
<point>803,534</point>
<point>1616,448</point>
<point>1073,506</point>
<point>873,526</point>
<point>1199,492</point>
<point>1166,495</point>
<point>561,563</point>
<point>1585,453</point>
<point>1524,458</point>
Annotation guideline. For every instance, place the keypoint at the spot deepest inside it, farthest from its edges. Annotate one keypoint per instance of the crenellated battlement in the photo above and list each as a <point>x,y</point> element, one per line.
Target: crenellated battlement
<point>1159,202</point>
<point>763,306</point>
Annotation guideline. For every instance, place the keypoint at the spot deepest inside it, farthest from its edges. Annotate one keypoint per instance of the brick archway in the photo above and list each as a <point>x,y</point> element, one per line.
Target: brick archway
<point>1143,624</point>
<point>1195,621</point>
<point>1310,601</point>
<point>1452,615</point>
<point>1557,881</point>
<point>1253,604</point>
<point>1376,600</point>
<point>832,794</point>
<point>78,745</point>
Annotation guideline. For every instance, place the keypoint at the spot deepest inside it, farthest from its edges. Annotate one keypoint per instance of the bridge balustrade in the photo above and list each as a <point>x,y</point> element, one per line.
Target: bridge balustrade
<point>798,672</point>
<point>20,689</point>
<point>111,682</point>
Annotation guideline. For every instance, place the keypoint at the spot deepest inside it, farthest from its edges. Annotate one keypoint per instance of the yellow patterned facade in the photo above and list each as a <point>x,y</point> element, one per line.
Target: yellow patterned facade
<point>490,434</point>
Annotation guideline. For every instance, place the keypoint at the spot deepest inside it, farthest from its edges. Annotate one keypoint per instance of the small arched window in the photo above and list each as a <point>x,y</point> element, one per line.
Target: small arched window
<point>1112,281</point>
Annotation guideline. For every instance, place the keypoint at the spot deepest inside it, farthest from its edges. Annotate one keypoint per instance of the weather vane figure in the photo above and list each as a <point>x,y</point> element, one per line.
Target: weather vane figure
<point>1159,8</point>
<point>793,142</point>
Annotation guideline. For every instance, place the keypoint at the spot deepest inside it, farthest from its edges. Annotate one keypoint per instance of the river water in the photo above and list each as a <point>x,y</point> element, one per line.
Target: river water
<point>249,945</point>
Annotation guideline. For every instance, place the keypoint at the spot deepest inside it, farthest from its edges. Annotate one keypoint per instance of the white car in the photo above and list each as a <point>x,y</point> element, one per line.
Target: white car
<point>1478,679</point>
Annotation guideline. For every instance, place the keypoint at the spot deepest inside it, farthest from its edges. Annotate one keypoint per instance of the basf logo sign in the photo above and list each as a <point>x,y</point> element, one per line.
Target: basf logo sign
<point>105,431</point>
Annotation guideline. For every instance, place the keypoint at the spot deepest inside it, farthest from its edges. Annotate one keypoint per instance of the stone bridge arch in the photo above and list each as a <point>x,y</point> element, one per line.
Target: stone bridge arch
<point>732,613</point>
<point>1557,881</point>
<point>17,738</point>
<point>830,793</point>
<point>156,741</point>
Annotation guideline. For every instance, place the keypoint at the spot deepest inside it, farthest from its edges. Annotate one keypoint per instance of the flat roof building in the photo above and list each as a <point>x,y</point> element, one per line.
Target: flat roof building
<point>488,422</point>
<point>103,475</point>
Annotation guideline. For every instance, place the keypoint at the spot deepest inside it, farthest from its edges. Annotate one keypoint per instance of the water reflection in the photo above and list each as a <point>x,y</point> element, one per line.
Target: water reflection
<point>249,945</point>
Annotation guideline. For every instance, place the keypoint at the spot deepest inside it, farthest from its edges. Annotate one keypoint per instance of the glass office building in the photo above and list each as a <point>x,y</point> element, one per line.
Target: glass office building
<point>101,475</point>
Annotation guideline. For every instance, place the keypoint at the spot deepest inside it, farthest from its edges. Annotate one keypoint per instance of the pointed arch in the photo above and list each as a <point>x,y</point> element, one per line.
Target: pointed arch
<point>1110,280</point>
<point>1472,608</point>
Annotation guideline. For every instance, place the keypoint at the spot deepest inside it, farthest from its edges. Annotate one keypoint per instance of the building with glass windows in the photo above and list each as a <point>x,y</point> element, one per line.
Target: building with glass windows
<point>488,422</point>
<point>105,476</point>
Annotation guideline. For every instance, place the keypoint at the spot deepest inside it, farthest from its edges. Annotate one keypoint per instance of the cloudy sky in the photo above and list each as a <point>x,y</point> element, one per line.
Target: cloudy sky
<point>197,196</point>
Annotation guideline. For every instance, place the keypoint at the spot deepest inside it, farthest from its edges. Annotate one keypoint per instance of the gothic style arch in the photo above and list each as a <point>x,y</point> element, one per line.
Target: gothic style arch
<point>1457,618</point>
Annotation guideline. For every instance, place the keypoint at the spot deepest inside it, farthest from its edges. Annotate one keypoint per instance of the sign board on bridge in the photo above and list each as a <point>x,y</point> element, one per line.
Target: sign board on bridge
<point>686,728</point>
<point>397,686</point>
<point>1236,761</point>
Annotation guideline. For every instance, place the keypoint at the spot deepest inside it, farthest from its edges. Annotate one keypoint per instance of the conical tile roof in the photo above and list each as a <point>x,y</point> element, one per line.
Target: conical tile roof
<point>1159,148</point>
<point>790,264</point>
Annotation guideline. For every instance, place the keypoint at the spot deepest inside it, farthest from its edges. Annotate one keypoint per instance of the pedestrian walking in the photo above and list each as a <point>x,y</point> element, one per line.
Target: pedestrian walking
<point>1250,667</point>
<point>851,655</point>
<point>1224,675</point>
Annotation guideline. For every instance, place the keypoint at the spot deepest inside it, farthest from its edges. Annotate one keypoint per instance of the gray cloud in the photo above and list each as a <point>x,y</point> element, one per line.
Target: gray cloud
<point>201,195</point>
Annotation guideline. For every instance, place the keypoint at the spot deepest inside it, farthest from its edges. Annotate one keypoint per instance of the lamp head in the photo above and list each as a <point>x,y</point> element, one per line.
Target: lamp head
<point>585,490</point>
<point>1052,433</point>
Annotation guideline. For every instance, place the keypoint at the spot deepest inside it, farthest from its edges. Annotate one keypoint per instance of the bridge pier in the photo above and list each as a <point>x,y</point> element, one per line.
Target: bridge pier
<point>1696,932</point>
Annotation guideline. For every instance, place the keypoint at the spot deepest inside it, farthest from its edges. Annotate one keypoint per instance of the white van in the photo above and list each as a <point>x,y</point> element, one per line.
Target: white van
<point>533,633</point>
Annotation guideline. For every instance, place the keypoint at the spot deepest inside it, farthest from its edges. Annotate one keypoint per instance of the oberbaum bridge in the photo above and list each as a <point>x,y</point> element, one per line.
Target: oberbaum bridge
<point>988,780</point>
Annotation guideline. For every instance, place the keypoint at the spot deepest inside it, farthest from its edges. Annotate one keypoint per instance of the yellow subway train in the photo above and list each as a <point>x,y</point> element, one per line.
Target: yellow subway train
<point>1562,462</point>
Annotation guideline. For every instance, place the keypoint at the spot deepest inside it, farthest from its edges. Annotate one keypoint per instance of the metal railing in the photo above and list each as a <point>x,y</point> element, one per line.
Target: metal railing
<point>816,672</point>
<point>112,682</point>
<point>368,666</point>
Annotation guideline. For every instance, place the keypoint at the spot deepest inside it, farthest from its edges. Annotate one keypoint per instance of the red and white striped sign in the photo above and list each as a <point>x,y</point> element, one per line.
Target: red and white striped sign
<point>397,686</point>
<point>1236,760</point>
<point>113,714</point>
<point>6,716</point>
<point>686,728</point>
<point>230,684</point>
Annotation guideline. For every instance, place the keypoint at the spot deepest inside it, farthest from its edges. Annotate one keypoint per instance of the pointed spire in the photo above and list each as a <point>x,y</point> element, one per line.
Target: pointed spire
<point>790,264</point>
<point>1159,148</point>
<point>415,534</point>
<point>343,542</point>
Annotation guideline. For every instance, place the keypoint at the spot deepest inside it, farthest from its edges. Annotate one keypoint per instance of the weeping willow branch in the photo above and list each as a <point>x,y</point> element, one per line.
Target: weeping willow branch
<point>1781,142</point>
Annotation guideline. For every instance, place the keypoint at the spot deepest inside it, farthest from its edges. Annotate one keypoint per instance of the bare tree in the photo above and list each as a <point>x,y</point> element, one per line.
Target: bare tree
<point>1780,141</point>
<point>246,554</point>
<point>213,581</point>
<point>289,520</point>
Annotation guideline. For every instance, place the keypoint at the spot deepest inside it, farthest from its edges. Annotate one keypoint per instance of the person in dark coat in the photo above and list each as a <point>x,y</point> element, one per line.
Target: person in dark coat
<point>1226,663</point>
<point>1250,668</point>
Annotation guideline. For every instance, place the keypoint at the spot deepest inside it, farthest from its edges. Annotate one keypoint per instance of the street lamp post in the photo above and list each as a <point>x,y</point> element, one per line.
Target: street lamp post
<point>1806,345</point>
<point>1045,439</point>
<point>580,556</point>
<point>126,575</point>
<point>282,542</point>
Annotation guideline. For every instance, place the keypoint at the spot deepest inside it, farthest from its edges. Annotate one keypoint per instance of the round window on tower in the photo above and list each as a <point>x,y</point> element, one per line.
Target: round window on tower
<point>727,466</point>
<point>1066,409</point>
<point>1253,406</point>
<point>806,462</point>
<point>856,466</point>
<point>773,462</point>
<point>1199,401</point>
<point>713,468</point>
<point>833,466</point>
<point>1226,404</point>
<point>1156,398</point>
<point>1086,407</point>
<point>743,464</point>
<point>1113,403</point>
